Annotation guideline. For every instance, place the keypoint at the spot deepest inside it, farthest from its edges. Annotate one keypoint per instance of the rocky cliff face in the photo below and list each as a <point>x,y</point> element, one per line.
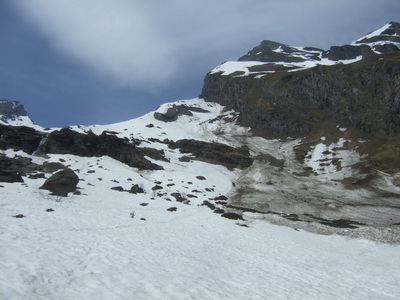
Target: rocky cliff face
<point>303,92</point>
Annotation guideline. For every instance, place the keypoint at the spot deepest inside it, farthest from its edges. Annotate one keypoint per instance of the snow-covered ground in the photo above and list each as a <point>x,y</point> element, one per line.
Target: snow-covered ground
<point>90,247</point>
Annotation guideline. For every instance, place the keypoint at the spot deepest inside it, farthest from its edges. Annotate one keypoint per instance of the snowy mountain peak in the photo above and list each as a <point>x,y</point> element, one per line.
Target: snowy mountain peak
<point>389,33</point>
<point>270,56</point>
<point>13,113</point>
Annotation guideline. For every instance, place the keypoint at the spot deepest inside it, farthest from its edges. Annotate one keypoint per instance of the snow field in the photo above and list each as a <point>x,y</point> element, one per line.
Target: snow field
<point>89,247</point>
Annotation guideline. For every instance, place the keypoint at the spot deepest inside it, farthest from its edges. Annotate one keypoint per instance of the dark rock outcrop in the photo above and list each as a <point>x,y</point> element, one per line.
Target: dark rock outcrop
<point>215,153</point>
<point>14,168</point>
<point>22,138</point>
<point>364,95</point>
<point>67,141</point>
<point>62,182</point>
<point>175,111</point>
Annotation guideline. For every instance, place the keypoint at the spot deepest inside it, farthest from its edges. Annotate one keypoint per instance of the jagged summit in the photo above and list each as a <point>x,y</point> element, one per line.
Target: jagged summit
<point>13,113</point>
<point>270,56</point>
<point>389,32</point>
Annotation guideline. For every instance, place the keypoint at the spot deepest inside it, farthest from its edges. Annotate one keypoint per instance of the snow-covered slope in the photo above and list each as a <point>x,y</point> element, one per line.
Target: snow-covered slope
<point>90,247</point>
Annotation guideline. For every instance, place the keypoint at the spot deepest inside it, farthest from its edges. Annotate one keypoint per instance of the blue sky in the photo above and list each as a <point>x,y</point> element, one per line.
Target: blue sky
<point>104,61</point>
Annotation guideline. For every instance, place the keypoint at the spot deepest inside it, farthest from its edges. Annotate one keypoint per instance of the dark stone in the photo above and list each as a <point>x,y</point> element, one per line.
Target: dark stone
<point>19,216</point>
<point>172,209</point>
<point>341,223</point>
<point>175,111</point>
<point>10,176</point>
<point>178,197</point>
<point>222,197</point>
<point>232,216</point>
<point>208,204</point>
<point>136,189</point>
<point>200,177</point>
<point>49,210</point>
<point>62,182</point>
<point>157,187</point>
<point>118,188</point>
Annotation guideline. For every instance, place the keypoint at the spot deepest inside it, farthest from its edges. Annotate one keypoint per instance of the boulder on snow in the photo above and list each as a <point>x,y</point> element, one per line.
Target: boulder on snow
<point>136,189</point>
<point>10,176</point>
<point>61,183</point>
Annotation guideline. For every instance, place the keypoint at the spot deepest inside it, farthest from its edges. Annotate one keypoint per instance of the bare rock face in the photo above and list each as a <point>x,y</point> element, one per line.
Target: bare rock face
<point>62,182</point>
<point>281,99</point>
<point>215,153</point>
<point>67,141</point>
<point>19,138</point>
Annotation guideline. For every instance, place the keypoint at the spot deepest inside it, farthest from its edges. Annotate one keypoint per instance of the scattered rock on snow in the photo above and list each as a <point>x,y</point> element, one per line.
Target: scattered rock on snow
<point>61,183</point>
<point>10,176</point>
<point>232,216</point>
<point>19,216</point>
<point>157,187</point>
<point>208,204</point>
<point>118,188</point>
<point>136,189</point>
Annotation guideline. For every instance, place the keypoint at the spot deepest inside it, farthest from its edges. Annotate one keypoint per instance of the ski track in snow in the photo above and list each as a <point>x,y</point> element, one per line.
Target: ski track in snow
<point>90,247</point>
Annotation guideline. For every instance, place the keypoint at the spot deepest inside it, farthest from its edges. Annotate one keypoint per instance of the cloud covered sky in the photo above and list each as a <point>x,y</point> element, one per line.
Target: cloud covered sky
<point>103,61</point>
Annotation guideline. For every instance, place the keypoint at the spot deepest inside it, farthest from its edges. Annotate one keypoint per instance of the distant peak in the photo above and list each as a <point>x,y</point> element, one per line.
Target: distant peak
<point>13,113</point>
<point>388,32</point>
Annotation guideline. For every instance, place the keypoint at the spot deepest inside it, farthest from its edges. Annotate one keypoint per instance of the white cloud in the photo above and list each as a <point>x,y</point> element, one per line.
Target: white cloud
<point>116,38</point>
<point>148,44</point>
